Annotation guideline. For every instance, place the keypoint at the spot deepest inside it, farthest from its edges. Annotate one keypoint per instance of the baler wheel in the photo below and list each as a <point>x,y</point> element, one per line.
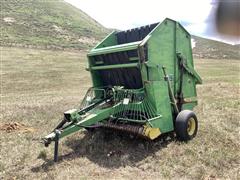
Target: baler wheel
<point>186,125</point>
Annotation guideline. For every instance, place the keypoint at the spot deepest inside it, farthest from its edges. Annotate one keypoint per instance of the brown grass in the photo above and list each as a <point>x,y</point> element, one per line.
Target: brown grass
<point>38,86</point>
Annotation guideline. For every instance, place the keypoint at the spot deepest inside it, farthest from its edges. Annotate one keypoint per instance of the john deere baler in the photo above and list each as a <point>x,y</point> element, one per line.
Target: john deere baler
<point>144,83</point>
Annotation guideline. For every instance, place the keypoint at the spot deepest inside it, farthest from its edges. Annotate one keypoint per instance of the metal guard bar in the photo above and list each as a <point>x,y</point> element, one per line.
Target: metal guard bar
<point>129,65</point>
<point>116,48</point>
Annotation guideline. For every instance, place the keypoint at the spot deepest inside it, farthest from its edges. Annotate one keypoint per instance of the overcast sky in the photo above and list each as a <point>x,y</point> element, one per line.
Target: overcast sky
<point>194,15</point>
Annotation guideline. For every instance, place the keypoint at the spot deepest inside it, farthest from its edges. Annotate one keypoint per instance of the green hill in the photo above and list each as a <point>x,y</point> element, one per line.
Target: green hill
<point>47,24</point>
<point>56,24</point>
<point>206,48</point>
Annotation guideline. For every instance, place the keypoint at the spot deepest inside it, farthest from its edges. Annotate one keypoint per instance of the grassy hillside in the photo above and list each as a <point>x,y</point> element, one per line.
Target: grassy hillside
<point>56,24</point>
<point>47,24</point>
<point>36,92</point>
<point>206,48</point>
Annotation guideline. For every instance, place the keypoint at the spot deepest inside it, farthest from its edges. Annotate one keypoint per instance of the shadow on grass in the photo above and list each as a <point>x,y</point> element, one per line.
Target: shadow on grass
<point>109,149</point>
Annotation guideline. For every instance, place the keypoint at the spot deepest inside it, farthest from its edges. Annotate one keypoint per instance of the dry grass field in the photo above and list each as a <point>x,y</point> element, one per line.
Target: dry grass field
<point>37,86</point>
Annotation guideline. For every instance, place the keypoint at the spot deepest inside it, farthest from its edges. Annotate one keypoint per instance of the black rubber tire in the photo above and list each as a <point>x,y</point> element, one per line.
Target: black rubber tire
<point>182,125</point>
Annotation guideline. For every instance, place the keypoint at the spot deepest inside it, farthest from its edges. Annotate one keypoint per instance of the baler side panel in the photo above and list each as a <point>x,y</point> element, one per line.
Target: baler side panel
<point>161,53</point>
<point>158,90</point>
<point>110,40</point>
<point>160,49</point>
<point>95,75</point>
<point>183,46</point>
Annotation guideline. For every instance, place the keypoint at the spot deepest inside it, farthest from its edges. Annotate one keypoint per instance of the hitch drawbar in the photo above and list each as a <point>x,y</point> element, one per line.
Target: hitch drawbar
<point>140,131</point>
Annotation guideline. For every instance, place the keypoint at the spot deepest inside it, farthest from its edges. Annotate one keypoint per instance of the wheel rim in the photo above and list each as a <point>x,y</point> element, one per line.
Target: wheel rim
<point>191,126</point>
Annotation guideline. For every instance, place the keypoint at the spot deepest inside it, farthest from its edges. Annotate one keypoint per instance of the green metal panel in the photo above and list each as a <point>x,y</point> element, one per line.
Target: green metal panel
<point>160,46</point>
<point>157,90</point>
<point>110,40</point>
<point>96,80</point>
<point>183,46</point>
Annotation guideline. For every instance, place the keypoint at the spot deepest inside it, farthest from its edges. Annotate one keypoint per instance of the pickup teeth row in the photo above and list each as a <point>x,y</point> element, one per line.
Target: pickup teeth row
<point>132,129</point>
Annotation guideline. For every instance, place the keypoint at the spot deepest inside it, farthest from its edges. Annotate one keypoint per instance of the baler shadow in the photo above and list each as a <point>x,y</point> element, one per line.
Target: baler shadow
<point>110,149</point>
<point>115,149</point>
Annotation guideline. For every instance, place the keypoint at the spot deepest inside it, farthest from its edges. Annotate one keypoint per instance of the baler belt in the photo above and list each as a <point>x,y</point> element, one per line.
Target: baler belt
<point>128,77</point>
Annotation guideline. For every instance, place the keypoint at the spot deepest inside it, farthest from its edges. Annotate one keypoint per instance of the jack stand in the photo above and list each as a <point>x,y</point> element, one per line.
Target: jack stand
<point>57,132</point>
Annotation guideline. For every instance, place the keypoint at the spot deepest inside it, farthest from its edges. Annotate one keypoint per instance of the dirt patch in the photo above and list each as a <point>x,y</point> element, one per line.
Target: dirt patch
<point>15,126</point>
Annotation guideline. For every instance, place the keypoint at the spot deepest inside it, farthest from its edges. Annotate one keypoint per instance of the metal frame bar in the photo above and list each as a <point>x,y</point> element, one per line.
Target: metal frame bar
<point>116,48</point>
<point>129,65</point>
